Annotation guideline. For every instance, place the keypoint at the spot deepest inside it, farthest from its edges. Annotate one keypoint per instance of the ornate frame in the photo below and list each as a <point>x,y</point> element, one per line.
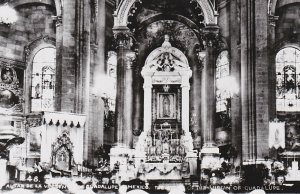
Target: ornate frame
<point>63,142</point>
<point>13,86</point>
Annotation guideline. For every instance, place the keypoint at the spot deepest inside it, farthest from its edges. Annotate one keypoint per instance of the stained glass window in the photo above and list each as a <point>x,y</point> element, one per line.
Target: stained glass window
<point>288,79</point>
<point>43,80</point>
<point>222,72</point>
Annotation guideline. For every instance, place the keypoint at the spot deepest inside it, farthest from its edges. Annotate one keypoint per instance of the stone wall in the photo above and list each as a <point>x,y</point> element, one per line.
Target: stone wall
<point>224,19</point>
<point>33,21</point>
<point>288,24</point>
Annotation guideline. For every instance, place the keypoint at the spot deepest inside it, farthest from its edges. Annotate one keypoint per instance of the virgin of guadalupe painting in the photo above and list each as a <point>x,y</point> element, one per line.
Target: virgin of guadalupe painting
<point>166,106</point>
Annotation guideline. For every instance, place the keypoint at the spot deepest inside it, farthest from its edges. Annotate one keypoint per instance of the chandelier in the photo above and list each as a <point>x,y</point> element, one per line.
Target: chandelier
<point>8,14</point>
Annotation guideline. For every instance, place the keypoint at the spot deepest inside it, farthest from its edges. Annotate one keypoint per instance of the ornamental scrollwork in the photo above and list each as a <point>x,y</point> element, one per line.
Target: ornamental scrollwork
<point>211,38</point>
<point>130,59</point>
<point>123,38</point>
<point>136,132</point>
<point>11,87</point>
<point>33,122</point>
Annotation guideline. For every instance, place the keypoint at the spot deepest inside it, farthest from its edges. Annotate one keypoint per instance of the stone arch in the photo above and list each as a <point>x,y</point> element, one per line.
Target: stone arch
<point>174,17</point>
<point>57,4</point>
<point>285,42</point>
<point>30,50</point>
<point>272,6</point>
<point>122,12</point>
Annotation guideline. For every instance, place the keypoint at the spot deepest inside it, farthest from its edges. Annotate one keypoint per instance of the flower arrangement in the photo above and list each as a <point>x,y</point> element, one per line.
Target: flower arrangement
<point>278,169</point>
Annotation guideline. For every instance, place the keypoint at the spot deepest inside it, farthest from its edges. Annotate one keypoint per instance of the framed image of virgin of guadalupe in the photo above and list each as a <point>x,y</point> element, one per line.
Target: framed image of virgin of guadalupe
<point>166,106</point>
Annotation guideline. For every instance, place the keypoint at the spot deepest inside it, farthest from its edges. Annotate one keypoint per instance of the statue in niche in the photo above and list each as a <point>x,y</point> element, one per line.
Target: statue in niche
<point>7,75</point>
<point>166,106</point>
<point>166,43</point>
<point>173,150</point>
<point>166,147</point>
<point>152,153</point>
<point>158,147</point>
<point>169,58</point>
<point>37,91</point>
<point>165,143</point>
<point>62,159</point>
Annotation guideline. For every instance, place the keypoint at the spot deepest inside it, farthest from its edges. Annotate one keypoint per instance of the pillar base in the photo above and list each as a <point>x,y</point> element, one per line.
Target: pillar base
<point>210,148</point>
<point>192,159</point>
<point>210,155</point>
<point>121,154</point>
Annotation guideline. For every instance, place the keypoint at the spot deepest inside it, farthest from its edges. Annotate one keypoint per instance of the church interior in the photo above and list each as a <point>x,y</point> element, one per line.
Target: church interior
<point>167,92</point>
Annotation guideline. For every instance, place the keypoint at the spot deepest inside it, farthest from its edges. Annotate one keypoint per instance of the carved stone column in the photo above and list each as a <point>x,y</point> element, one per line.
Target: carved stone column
<point>272,65</point>
<point>209,151</point>
<point>123,133</point>
<point>195,104</point>
<point>58,80</point>
<point>94,137</point>
<point>235,72</point>
<point>247,81</point>
<point>272,71</point>
<point>130,57</point>
<point>66,72</point>
<point>208,105</point>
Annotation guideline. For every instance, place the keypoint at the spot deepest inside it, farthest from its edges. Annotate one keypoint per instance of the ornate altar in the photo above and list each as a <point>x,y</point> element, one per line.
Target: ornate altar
<point>164,150</point>
<point>62,141</point>
<point>166,139</point>
<point>62,153</point>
